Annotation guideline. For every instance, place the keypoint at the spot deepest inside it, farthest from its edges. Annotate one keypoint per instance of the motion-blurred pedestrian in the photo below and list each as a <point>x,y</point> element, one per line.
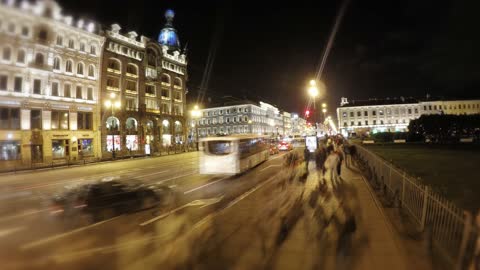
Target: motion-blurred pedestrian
<point>306,156</point>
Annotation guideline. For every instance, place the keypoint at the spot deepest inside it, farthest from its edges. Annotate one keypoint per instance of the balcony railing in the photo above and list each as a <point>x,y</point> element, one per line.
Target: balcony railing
<point>116,71</point>
<point>133,92</point>
<point>131,75</point>
<point>153,110</point>
<point>150,95</point>
<point>113,88</point>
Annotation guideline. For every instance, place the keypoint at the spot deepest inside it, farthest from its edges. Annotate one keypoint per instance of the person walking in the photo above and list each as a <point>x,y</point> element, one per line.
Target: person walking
<point>339,163</point>
<point>306,156</point>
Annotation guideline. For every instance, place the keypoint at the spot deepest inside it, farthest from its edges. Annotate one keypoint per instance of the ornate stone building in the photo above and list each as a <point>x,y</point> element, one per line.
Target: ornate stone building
<point>49,80</point>
<point>148,78</point>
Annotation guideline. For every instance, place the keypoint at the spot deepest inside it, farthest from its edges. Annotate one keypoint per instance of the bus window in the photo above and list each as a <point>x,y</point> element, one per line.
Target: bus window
<point>220,147</point>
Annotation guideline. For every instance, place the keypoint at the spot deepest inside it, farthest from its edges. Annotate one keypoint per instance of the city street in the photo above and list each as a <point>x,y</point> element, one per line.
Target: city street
<point>259,219</point>
<point>28,230</point>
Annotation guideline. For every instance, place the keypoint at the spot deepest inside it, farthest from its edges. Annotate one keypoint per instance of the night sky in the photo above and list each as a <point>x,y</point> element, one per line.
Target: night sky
<point>270,51</point>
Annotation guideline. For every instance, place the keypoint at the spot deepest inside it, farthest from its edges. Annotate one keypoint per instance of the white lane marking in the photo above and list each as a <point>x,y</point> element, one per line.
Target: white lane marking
<point>146,175</point>
<point>10,231</point>
<point>27,213</point>
<point>175,177</point>
<point>202,203</point>
<point>206,185</point>
<point>232,203</point>
<point>58,236</point>
<point>270,166</point>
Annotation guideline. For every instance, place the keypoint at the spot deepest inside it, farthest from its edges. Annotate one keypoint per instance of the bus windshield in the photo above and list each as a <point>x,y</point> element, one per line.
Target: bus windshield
<point>219,147</point>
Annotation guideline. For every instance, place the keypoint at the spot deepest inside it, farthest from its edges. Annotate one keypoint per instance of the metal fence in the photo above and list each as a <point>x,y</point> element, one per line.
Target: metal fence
<point>450,230</point>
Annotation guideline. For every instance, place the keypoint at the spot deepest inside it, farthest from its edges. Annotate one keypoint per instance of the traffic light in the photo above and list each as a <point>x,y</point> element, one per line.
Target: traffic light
<point>307,113</point>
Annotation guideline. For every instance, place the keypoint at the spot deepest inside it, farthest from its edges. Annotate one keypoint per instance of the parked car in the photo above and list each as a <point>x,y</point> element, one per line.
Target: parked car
<point>106,199</point>
<point>285,146</point>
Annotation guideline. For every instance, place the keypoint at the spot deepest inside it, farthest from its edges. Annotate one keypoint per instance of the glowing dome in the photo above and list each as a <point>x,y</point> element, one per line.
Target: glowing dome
<point>168,35</point>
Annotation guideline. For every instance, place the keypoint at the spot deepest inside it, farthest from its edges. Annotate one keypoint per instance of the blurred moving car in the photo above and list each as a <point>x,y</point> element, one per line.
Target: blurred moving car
<point>285,146</point>
<point>106,199</point>
<point>274,149</point>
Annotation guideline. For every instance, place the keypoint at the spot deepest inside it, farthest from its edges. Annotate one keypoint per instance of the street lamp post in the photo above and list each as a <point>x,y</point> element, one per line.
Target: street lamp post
<point>195,113</point>
<point>111,103</point>
<point>313,92</point>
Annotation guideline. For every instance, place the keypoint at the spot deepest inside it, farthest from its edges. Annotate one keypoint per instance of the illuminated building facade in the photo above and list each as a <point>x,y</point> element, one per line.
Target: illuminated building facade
<point>391,115</point>
<point>148,78</point>
<point>245,118</point>
<point>49,81</point>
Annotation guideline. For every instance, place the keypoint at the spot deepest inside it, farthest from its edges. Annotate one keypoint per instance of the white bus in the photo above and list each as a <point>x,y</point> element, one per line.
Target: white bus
<point>232,154</point>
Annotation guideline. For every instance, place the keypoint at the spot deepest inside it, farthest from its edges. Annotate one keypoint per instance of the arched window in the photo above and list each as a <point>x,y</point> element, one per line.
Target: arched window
<point>7,53</point>
<point>39,59</point>
<point>178,127</point>
<point>149,125</point>
<point>91,71</point>
<point>113,123</point>
<point>21,56</point>
<point>151,57</point>
<point>177,82</point>
<point>165,78</point>
<point>166,126</point>
<point>114,64</point>
<point>80,68</point>
<point>69,66</point>
<point>131,124</point>
<point>71,44</point>
<point>132,69</point>
<point>56,63</point>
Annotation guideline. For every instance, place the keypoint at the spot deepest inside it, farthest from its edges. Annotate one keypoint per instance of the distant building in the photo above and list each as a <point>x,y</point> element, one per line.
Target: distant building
<point>148,77</point>
<point>242,118</point>
<point>49,83</point>
<point>299,125</point>
<point>395,114</point>
<point>287,124</point>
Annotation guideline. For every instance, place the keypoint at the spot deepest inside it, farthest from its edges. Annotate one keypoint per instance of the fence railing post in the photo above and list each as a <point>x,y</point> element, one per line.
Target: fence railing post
<point>424,210</point>
<point>467,228</point>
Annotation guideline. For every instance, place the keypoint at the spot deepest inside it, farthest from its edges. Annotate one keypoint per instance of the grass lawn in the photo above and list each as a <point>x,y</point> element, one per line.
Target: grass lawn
<point>453,170</point>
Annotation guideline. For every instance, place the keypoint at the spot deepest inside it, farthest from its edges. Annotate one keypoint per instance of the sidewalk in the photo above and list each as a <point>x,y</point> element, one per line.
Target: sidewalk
<point>374,244</point>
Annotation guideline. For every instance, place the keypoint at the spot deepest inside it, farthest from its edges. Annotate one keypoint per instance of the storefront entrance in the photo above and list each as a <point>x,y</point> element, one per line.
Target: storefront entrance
<point>37,153</point>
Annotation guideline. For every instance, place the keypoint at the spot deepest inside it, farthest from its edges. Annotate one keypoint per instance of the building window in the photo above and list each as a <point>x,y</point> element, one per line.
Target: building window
<point>114,64</point>
<point>409,111</point>
<point>7,53</point>
<point>381,122</point>
<point>150,89</point>
<point>93,50</point>
<point>80,68</point>
<point>435,107</point>
<point>131,86</point>
<point>25,31</point>
<point>82,46</point>
<point>60,120</point>
<point>366,122</point>
<point>84,120</point>
<point>69,66</point>
<point>132,69</point>
<point>131,104</point>
<point>113,82</point>
<point>429,107</point>
<point>424,108</point>
<point>165,108</point>
<point>3,82</point>
<point>36,119</point>
<point>43,35</point>
<point>178,96</point>
<point>177,83</point>
<point>344,114</point>
<point>91,71</point>
<point>37,86</point>
<point>352,123</point>
<point>374,122</point>
<point>18,84</point>
<point>359,113</point>
<point>374,113</point>
<point>10,150</point>
<point>67,90</point>
<point>71,44</point>
<point>39,59</point>
<point>9,118</point>
<point>165,78</point>
<point>21,56</point>
<point>165,93</point>
<point>90,93</point>
<point>56,63</point>
<point>79,94</point>
<point>177,110</point>
<point>365,113</point>
<point>55,89</point>
<point>59,40</point>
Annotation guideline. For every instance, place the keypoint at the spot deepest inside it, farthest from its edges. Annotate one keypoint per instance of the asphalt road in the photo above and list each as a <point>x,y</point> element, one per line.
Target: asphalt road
<point>31,238</point>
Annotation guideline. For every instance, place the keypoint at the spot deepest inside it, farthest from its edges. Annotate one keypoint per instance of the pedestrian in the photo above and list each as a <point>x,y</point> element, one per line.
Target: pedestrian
<point>306,156</point>
<point>346,152</point>
<point>339,163</point>
<point>320,157</point>
<point>331,164</point>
